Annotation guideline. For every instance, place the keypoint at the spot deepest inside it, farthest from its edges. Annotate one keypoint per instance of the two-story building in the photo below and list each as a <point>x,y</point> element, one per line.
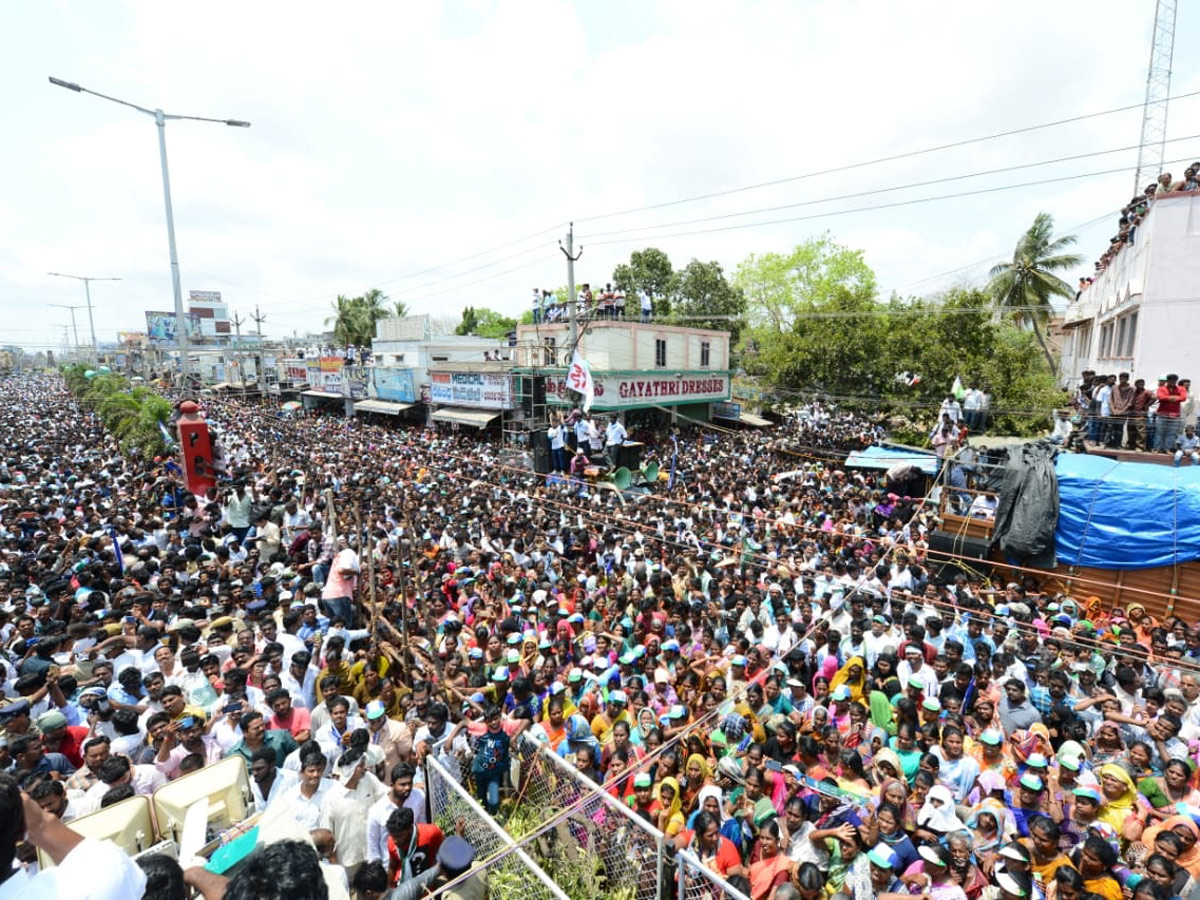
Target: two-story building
<point>655,372</point>
<point>1140,315</point>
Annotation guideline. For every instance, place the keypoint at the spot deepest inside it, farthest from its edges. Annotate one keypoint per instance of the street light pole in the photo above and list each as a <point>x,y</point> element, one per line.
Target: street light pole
<point>87,287</point>
<point>160,119</point>
<point>74,327</point>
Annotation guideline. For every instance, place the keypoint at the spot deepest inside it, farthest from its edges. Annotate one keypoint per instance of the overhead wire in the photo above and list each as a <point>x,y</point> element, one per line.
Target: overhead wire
<point>879,160</point>
<point>871,208</point>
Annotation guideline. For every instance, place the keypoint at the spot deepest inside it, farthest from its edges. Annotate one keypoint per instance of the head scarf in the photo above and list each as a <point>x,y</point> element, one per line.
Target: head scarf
<point>705,769</point>
<point>711,790</point>
<point>731,769</point>
<point>943,818</point>
<point>882,714</point>
<point>827,671</point>
<point>842,676</point>
<point>1115,812</point>
<point>892,758</point>
<point>1189,859</point>
<point>673,811</point>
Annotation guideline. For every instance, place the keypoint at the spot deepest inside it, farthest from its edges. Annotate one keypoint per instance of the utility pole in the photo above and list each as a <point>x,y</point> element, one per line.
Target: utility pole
<point>572,257</point>
<point>87,287</point>
<point>258,318</point>
<point>74,327</point>
<point>237,352</point>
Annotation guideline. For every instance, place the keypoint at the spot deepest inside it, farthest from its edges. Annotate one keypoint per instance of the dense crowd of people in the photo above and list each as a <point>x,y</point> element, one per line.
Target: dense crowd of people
<point>759,661</point>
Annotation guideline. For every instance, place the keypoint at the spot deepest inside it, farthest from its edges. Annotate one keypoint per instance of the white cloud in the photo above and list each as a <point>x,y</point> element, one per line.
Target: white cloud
<point>389,138</point>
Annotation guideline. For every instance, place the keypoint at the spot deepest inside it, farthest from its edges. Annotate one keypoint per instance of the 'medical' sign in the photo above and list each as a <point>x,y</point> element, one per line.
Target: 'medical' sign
<point>626,391</point>
<point>485,390</point>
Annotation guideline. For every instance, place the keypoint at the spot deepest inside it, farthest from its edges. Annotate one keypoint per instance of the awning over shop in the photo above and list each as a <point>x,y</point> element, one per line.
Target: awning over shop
<point>876,457</point>
<point>385,407</point>
<point>476,418</point>
<point>757,421</point>
<point>220,386</point>
<point>324,395</point>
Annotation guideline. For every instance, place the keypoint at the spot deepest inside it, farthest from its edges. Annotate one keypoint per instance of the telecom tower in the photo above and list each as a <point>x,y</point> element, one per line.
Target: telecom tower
<point>1158,89</point>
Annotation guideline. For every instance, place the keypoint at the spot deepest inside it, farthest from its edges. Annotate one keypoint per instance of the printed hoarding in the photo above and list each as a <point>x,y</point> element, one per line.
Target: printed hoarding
<point>394,384</point>
<point>644,390</point>
<point>295,371</point>
<point>160,328</point>
<point>485,390</point>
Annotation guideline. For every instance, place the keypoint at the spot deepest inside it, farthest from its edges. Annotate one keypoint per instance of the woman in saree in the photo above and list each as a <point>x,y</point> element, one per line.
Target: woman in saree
<point>886,825</point>
<point>1163,792</point>
<point>697,775</point>
<point>854,676</point>
<point>769,866</point>
<point>1120,808</point>
<point>670,818</point>
<point>1185,828</point>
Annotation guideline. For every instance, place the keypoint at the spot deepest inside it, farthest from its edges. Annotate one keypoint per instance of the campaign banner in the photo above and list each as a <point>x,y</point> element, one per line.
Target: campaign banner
<point>295,371</point>
<point>394,384</point>
<point>644,389</point>
<point>484,390</point>
<point>161,328</point>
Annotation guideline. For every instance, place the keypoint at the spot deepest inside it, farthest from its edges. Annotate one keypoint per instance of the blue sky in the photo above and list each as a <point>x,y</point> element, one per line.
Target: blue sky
<point>388,139</point>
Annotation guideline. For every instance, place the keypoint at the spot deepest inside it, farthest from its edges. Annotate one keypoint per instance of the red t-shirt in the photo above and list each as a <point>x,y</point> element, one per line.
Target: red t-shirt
<point>423,856</point>
<point>727,855</point>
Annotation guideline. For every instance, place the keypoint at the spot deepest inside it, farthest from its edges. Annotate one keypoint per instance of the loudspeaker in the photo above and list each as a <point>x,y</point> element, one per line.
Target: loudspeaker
<point>943,567</point>
<point>630,456</point>
<point>541,452</point>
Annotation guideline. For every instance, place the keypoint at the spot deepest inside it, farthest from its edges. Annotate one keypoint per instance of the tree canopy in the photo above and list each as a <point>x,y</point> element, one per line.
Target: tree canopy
<point>354,318</point>
<point>484,322</point>
<point>648,270</point>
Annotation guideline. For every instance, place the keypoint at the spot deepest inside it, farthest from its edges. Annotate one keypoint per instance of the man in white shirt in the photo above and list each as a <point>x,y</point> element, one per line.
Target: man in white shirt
<point>912,669</point>
<point>401,794</point>
<point>268,782</point>
<point>307,797</point>
<point>614,437</point>
<point>345,811</point>
<point>647,305</point>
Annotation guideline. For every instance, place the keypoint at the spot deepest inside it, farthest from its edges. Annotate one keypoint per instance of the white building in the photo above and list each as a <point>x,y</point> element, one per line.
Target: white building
<point>207,306</point>
<point>634,366</point>
<point>408,343</point>
<point>1141,313</point>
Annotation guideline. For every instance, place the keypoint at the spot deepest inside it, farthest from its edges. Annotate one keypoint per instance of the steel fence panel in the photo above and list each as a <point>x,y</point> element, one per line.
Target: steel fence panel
<point>515,874</point>
<point>698,882</point>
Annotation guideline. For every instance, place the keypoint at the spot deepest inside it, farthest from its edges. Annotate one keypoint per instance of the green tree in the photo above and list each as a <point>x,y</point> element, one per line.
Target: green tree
<point>354,318</point>
<point>401,308</point>
<point>1025,287</point>
<point>485,322</point>
<point>706,299</point>
<point>813,319</point>
<point>648,270</point>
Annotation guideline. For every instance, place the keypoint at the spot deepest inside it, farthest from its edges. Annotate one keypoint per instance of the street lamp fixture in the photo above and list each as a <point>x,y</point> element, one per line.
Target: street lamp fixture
<point>161,119</point>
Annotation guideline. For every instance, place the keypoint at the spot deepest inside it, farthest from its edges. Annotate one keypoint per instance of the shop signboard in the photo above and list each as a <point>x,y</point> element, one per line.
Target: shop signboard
<point>646,389</point>
<point>295,371</point>
<point>482,390</point>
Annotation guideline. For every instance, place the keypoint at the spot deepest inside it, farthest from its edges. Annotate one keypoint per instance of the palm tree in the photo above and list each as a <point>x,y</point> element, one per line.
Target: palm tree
<point>343,319</point>
<point>1026,286</point>
<point>401,308</point>
<point>371,309</point>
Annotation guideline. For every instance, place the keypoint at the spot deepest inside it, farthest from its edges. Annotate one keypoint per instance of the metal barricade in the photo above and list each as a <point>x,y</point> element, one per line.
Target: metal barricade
<point>698,882</point>
<point>515,874</point>
<point>637,859</point>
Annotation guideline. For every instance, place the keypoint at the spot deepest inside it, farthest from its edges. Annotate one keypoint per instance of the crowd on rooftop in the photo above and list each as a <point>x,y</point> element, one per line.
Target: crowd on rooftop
<point>760,662</point>
<point>1118,412</point>
<point>1136,209</point>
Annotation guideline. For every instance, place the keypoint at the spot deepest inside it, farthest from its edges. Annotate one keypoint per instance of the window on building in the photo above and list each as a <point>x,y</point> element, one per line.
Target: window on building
<point>1105,340</point>
<point>440,358</point>
<point>1131,333</point>
<point>660,353</point>
<point>705,351</point>
<point>1120,337</point>
<point>399,358</point>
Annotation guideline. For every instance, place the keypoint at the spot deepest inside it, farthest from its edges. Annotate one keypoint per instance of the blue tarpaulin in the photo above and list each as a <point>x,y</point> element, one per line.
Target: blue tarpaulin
<point>1126,515</point>
<point>875,457</point>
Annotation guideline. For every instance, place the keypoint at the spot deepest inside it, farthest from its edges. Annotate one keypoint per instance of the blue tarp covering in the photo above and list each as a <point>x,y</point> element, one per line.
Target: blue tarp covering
<point>875,457</point>
<point>1126,515</point>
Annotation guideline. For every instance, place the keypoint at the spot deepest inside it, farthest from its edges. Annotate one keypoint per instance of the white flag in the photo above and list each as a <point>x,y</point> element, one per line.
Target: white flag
<point>579,379</point>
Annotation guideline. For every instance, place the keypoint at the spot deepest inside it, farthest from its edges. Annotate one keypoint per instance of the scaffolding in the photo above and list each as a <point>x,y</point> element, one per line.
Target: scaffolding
<point>524,426</point>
